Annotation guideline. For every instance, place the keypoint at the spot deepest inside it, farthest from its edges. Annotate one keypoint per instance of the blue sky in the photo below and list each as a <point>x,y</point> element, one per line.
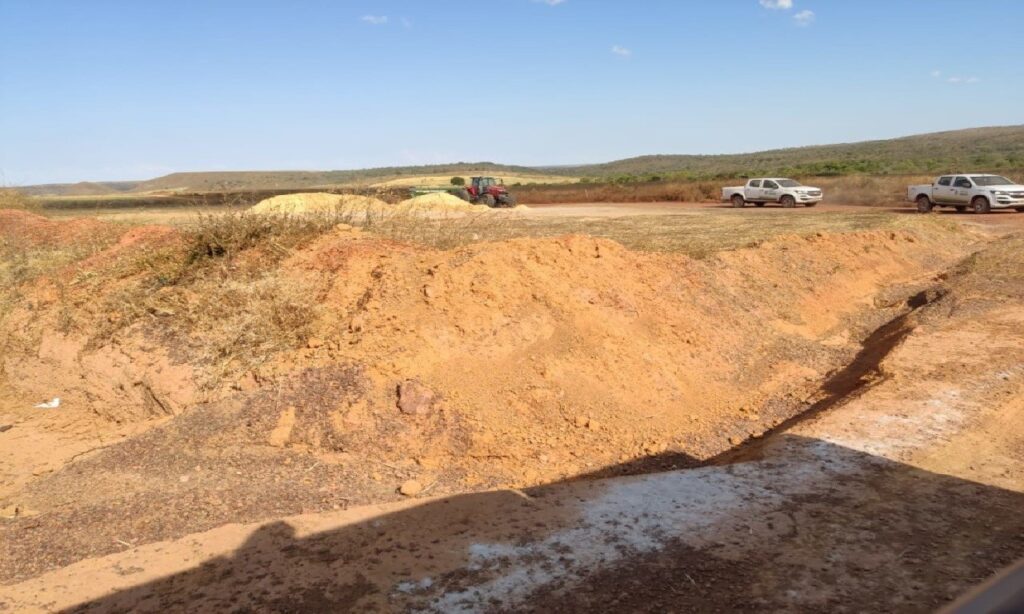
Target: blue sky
<point>105,90</point>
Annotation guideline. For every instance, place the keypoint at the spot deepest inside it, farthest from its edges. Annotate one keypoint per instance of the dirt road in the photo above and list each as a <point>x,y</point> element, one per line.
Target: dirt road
<point>1009,219</point>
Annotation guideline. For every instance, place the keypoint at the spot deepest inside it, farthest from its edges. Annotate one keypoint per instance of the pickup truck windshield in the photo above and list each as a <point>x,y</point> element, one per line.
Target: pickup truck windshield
<point>789,183</point>
<point>988,180</point>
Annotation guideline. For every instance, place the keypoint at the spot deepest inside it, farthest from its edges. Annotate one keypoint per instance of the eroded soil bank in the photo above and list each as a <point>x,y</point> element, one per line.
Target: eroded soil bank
<point>906,491</point>
<point>280,381</point>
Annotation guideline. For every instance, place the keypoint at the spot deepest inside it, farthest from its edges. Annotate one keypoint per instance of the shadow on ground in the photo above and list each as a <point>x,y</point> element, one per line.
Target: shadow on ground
<point>813,527</point>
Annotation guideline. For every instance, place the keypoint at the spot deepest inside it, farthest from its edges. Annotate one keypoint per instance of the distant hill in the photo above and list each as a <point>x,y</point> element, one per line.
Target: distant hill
<point>984,149</point>
<point>977,149</point>
<point>267,180</point>
<point>82,188</point>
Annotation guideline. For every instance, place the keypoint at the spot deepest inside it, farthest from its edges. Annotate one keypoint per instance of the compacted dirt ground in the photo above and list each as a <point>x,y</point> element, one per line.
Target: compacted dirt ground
<point>826,420</point>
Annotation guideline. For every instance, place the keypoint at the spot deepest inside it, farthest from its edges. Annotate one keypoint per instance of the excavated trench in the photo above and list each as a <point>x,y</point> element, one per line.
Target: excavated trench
<point>842,385</point>
<point>845,384</point>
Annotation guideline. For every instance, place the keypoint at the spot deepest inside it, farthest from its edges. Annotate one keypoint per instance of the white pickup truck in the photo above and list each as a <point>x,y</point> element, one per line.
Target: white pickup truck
<point>981,193</point>
<point>786,192</point>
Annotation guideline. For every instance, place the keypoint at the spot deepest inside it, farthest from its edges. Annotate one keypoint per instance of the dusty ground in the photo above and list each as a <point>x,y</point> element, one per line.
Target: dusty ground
<point>530,362</point>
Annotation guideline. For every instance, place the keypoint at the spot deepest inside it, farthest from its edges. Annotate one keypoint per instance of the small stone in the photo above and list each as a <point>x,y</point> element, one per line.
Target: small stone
<point>428,291</point>
<point>357,324</point>
<point>183,479</point>
<point>580,421</point>
<point>314,343</point>
<point>735,440</point>
<point>410,488</point>
<point>415,399</point>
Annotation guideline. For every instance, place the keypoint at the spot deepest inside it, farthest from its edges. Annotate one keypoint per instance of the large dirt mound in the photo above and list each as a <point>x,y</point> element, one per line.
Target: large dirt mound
<point>539,348</point>
<point>499,363</point>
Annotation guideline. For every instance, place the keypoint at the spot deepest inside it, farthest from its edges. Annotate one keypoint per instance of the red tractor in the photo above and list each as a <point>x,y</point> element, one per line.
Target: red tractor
<point>486,191</point>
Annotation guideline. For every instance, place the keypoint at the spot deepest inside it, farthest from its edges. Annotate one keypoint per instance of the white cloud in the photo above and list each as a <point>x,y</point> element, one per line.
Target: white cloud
<point>550,2</point>
<point>621,51</point>
<point>936,73</point>
<point>375,20</point>
<point>959,80</point>
<point>804,18</point>
<point>973,80</point>
<point>784,5</point>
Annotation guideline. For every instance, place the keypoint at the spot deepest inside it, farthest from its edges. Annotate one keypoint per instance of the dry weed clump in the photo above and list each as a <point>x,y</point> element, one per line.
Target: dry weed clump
<point>847,190</point>
<point>221,284</point>
<point>14,199</point>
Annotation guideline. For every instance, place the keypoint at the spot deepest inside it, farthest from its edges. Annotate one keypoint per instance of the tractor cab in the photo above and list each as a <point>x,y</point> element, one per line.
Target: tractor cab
<point>484,185</point>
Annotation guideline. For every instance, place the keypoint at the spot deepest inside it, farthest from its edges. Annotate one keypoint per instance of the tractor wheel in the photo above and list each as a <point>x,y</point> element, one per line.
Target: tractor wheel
<point>462,193</point>
<point>486,200</point>
<point>507,200</point>
<point>737,201</point>
<point>924,204</point>
<point>788,201</point>
<point>960,208</point>
<point>980,204</point>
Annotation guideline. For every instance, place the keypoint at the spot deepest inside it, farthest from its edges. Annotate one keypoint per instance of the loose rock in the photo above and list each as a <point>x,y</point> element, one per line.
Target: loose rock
<point>410,488</point>
<point>415,399</point>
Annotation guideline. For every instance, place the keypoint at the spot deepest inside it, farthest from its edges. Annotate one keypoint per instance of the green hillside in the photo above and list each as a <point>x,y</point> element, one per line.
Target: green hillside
<point>995,149</point>
<point>986,149</point>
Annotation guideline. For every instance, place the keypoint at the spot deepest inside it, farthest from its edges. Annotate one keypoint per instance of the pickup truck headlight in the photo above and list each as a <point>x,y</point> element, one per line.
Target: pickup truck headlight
<point>999,193</point>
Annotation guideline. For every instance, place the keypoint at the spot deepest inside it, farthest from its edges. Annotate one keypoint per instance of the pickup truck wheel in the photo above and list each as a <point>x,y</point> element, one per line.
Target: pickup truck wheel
<point>980,204</point>
<point>737,201</point>
<point>960,208</point>
<point>924,204</point>
<point>788,201</point>
<point>810,204</point>
<point>1019,209</point>
<point>758,204</point>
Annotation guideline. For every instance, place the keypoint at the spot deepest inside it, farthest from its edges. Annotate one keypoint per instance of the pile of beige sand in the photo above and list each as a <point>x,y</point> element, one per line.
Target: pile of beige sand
<point>317,202</point>
<point>439,201</point>
<point>443,201</point>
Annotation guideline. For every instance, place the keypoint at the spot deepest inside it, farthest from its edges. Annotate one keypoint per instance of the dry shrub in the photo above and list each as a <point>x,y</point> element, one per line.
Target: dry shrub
<point>13,199</point>
<point>219,296</point>
<point>651,191</point>
<point>867,190</point>
<point>847,190</point>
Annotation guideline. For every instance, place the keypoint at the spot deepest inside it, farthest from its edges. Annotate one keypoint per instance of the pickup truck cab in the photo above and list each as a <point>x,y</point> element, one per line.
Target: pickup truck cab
<point>786,192</point>
<point>981,193</point>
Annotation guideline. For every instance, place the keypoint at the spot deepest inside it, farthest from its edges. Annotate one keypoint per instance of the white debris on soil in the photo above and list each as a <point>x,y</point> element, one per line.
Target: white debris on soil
<point>703,508</point>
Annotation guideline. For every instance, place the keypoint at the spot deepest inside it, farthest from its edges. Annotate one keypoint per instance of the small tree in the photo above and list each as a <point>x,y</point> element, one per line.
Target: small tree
<point>458,181</point>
